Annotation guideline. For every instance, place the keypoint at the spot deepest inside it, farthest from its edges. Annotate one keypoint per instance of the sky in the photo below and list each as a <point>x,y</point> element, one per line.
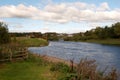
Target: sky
<point>61,16</point>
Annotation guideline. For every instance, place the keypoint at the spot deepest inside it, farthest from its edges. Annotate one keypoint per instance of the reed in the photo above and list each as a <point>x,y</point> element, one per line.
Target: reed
<point>87,70</point>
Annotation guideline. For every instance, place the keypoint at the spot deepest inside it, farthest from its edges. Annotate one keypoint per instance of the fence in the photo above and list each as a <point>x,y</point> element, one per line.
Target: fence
<point>21,54</point>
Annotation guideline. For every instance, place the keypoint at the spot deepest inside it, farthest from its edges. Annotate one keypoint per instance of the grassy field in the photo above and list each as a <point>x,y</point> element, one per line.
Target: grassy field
<point>32,69</point>
<point>30,42</point>
<point>106,41</point>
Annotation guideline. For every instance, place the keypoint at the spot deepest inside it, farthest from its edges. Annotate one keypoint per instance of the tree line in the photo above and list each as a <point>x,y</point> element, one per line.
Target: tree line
<point>107,32</point>
<point>52,36</point>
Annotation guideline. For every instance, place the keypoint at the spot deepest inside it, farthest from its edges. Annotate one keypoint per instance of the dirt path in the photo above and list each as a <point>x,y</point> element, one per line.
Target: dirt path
<point>56,60</point>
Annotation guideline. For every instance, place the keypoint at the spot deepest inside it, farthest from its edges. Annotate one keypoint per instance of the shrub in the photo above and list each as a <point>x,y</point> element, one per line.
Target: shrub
<point>4,35</point>
<point>87,69</point>
<point>69,76</point>
<point>61,67</point>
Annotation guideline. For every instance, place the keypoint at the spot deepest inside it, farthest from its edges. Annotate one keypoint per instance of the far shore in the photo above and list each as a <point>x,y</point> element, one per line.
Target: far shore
<point>114,42</point>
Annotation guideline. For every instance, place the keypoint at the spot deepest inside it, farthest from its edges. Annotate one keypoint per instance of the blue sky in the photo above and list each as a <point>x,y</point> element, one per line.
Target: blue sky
<point>62,16</point>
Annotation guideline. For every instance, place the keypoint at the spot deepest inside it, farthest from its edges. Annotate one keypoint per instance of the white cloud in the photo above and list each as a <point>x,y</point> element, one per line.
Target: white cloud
<point>63,13</point>
<point>55,8</point>
<point>104,6</point>
<point>20,11</point>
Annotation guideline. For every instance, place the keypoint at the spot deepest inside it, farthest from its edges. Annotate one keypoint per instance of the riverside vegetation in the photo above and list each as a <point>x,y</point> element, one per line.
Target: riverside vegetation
<point>103,35</point>
<point>37,68</point>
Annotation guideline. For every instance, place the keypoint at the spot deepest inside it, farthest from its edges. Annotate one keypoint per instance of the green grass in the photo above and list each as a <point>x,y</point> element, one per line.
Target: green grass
<point>36,68</point>
<point>30,42</point>
<point>106,41</point>
<point>32,69</point>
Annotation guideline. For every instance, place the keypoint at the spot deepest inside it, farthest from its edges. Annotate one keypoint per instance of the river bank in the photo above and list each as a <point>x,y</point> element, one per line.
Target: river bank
<point>34,68</point>
<point>30,42</point>
<point>115,42</point>
<point>84,65</point>
<point>43,67</point>
<point>55,59</point>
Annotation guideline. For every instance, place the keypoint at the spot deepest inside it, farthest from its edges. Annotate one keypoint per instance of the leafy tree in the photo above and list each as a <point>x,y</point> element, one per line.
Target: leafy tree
<point>117,29</point>
<point>52,36</point>
<point>99,32</point>
<point>109,32</point>
<point>4,35</point>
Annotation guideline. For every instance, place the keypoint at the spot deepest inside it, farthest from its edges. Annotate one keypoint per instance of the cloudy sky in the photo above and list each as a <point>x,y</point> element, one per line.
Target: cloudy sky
<point>62,16</point>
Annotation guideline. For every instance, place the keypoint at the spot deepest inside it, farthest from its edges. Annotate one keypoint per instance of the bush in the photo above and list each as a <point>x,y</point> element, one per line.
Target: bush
<point>61,67</point>
<point>69,76</point>
<point>4,35</point>
<point>87,69</point>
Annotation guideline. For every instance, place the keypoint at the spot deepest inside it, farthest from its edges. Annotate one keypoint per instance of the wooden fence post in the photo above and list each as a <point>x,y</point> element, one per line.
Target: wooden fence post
<point>26,53</point>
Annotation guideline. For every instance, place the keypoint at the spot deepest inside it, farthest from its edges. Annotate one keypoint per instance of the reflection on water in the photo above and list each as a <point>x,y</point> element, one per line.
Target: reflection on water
<point>105,55</point>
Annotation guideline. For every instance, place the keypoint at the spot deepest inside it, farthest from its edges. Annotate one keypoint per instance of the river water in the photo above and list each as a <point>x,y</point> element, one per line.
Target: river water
<point>105,55</point>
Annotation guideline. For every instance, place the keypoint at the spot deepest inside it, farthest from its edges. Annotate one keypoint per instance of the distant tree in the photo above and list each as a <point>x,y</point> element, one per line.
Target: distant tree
<point>98,33</point>
<point>4,35</point>
<point>109,32</point>
<point>52,36</point>
<point>116,28</point>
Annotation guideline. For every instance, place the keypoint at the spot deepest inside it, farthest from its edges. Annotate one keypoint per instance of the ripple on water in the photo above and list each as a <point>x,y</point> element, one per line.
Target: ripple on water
<point>103,54</point>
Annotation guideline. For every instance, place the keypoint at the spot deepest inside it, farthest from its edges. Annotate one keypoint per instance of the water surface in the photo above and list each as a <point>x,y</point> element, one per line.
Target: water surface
<point>105,55</point>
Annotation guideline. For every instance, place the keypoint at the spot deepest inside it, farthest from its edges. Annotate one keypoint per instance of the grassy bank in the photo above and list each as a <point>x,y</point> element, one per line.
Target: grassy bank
<point>106,41</point>
<point>32,69</point>
<point>30,42</point>
<point>37,68</point>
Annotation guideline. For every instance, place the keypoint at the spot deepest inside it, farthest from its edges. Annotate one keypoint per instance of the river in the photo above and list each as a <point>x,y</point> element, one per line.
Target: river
<point>105,55</point>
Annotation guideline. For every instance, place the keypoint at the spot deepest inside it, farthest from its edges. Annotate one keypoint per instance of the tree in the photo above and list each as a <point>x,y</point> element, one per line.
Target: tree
<point>52,36</point>
<point>117,29</point>
<point>100,33</point>
<point>4,35</point>
<point>109,32</point>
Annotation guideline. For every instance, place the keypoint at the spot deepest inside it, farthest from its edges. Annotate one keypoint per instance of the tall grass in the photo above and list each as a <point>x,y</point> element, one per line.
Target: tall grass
<point>87,70</point>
